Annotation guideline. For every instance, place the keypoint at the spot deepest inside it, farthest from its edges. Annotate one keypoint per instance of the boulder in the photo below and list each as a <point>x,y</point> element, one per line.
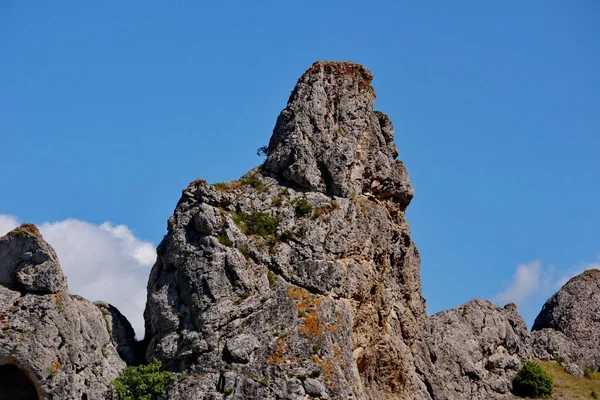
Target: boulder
<point>476,350</point>
<point>568,327</point>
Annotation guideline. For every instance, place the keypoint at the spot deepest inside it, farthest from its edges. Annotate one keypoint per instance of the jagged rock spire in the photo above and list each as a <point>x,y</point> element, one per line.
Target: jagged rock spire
<point>329,139</point>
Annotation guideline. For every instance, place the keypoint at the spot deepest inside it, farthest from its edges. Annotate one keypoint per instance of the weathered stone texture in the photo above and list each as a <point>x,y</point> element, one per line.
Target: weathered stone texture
<point>477,348</point>
<point>328,304</point>
<point>60,341</point>
<point>568,327</point>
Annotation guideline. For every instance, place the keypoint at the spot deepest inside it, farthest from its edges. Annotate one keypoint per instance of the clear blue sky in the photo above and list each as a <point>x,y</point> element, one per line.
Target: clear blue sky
<point>108,109</point>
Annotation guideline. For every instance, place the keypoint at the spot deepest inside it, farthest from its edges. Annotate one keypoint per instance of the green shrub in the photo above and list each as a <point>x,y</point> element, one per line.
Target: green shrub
<point>303,207</point>
<point>254,181</point>
<point>286,236</point>
<point>257,223</point>
<point>595,394</point>
<point>144,382</point>
<point>532,381</point>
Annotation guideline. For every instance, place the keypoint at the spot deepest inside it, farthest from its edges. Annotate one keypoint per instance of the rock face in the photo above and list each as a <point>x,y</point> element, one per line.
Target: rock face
<point>300,280</point>
<point>477,348</point>
<point>329,139</point>
<point>568,327</point>
<point>52,344</point>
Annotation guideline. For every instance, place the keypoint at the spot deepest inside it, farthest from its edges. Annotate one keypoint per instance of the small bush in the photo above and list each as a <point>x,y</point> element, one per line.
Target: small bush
<point>589,371</point>
<point>532,381</point>
<point>595,394</point>
<point>144,382</point>
<point>277,201</point>
<point>254,181</point>
<point>257,223</point>
<point>303,207</point>
<point>286,236</point>
<point>225,241</point>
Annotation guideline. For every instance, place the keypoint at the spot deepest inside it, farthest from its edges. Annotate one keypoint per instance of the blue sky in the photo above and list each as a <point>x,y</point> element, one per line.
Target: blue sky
<point>108,109</point>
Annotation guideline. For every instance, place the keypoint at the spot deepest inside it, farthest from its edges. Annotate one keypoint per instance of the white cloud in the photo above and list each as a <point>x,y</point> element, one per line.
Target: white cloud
<point>525,282</point>
<point>7,224</point>
<point>102,262</point>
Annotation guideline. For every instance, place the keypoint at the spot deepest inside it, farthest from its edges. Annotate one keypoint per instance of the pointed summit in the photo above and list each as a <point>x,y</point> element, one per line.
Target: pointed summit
<point>329,139</point>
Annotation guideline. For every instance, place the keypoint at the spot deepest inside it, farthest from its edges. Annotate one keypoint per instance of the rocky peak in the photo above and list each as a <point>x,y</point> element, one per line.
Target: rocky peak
<point>29,263</point>
<point>329,138</point>
<point>568,324</point>
<point>299,280</point>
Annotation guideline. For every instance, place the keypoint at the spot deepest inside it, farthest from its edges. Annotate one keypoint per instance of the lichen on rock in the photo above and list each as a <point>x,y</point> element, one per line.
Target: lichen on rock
<point>310,255</point>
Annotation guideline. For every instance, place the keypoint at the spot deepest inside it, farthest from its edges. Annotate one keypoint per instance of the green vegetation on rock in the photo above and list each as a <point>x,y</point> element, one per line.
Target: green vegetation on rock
<point>532,381</point>
<point>144,382</point>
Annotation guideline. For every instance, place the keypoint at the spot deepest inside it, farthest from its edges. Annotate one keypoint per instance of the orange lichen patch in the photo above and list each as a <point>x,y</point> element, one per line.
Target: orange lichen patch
<point>54,368</point>
<point>327,364</point>
<point>278,356</point>
<point>309,307</point>
<point>29,229</point>
<point>58,299</point>
<point>4,321</point>
<point>342,68</point>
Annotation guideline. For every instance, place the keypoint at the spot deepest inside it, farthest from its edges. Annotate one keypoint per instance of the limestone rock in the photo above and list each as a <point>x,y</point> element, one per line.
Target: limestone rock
<point>573,313</point>
<point>311,255</point>
<point>29,263</point>
<point>329,139</point>
<point>57,342</point>
<point>476,350</point>
<point>574,369</point>
<point>121,332</point>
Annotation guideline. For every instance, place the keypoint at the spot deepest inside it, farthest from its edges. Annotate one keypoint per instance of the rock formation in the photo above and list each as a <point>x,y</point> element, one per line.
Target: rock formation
<point>568,327</point>
<point>477,348</point>
<point>299,280</point>
<point>53,345</point>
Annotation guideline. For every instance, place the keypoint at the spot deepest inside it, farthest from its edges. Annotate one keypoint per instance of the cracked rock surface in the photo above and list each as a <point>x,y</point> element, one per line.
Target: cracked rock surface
<point>477,349</point>
<point>568,327</point>
<point>60,341</point>
<point>300,280</point>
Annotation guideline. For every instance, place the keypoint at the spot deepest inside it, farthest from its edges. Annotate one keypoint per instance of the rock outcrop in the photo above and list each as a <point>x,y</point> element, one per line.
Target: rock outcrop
<point>568,327</point>
<point>476,349</point>
<point>300,280</point>
<point>53,345</point>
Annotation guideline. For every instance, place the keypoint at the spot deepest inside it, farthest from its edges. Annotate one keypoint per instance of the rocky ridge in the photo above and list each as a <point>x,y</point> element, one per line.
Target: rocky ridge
<point>53,344</point>
<point>298,281</point>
